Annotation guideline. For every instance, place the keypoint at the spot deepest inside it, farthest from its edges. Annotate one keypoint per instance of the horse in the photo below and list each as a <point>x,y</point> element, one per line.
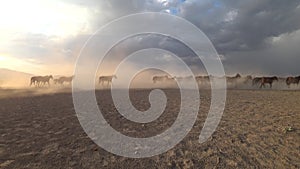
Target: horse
<point>108,79</point>
<point>234,79</point>
<point>184,78</point>
<point>202,79</point>
<point>35,80</point>
<point>256,81</point>
<point>63,79</point>
<point>292,80</point>
<point>40,80</point>
<point>268,80</point>
<point>56,81</point>
<point>164,78</point>
<point>247,79</point>
<point>45,79</point>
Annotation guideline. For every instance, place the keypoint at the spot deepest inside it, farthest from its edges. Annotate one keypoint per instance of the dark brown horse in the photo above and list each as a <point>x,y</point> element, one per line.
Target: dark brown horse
<point>268,80</point>
<point>292,80</point>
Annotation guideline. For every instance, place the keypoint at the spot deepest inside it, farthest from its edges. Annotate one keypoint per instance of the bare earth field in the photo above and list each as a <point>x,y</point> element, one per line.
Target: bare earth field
<point>42,131</point>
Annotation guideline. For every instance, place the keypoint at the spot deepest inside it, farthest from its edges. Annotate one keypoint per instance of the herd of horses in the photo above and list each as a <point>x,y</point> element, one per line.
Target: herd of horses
<point>40,81</point>
<point>261,82</point>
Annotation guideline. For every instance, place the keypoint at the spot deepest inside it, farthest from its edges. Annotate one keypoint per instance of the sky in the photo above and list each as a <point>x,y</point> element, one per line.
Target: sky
<point>251,36</point>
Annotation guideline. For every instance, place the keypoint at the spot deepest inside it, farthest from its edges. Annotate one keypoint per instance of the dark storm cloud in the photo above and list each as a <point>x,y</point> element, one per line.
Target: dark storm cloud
<point>281,58</point>
<point>243,25</point>
<point>242,31</point>
<point>231,25</point>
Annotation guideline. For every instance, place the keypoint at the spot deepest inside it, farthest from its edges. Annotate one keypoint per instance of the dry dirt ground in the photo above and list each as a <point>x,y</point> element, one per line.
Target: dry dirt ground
<point>259,129</point>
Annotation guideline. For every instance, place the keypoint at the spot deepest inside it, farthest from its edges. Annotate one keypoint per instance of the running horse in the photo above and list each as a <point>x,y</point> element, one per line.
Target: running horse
<point>234,79</point>
<point>107,79</point>
<point>292,80</point>
<point>164,78</point>
<point>35,80</point>
<point>40,80</point>
<point>256,80</point>
<point>185,78</point>
<point>202,79</point>
<point>247,79</point>
<point>67,79</point>
<point>268,80</point>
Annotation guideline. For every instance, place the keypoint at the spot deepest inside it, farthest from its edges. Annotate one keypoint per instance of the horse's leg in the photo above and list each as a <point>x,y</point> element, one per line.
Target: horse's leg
<point>270,85</point>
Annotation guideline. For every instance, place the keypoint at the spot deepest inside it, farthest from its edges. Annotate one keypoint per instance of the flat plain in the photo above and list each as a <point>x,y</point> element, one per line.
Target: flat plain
<point>259,129</point>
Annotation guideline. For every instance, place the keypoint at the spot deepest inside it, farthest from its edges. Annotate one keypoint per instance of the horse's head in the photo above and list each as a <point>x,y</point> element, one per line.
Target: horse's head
<point>275,78</point>
<point>51,77</point>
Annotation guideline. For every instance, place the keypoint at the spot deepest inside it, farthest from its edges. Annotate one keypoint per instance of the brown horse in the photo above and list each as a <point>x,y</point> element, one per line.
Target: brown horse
<point>233,79</point>
<point>188,78</point>
<point>56,81</point>
<point>292,80</point>
<point>268,80</point>
<point>164,78</point>
<point>67,79</point>
<point>40,80</point>
<point>107,79</point>
<point>247,79</point>
<point>202,79</point>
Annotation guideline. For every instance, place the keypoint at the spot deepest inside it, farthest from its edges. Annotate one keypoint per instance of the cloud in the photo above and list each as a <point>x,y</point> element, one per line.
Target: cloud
<point>280,58</point>
<point>243,25</point>
<point>251,35</point>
